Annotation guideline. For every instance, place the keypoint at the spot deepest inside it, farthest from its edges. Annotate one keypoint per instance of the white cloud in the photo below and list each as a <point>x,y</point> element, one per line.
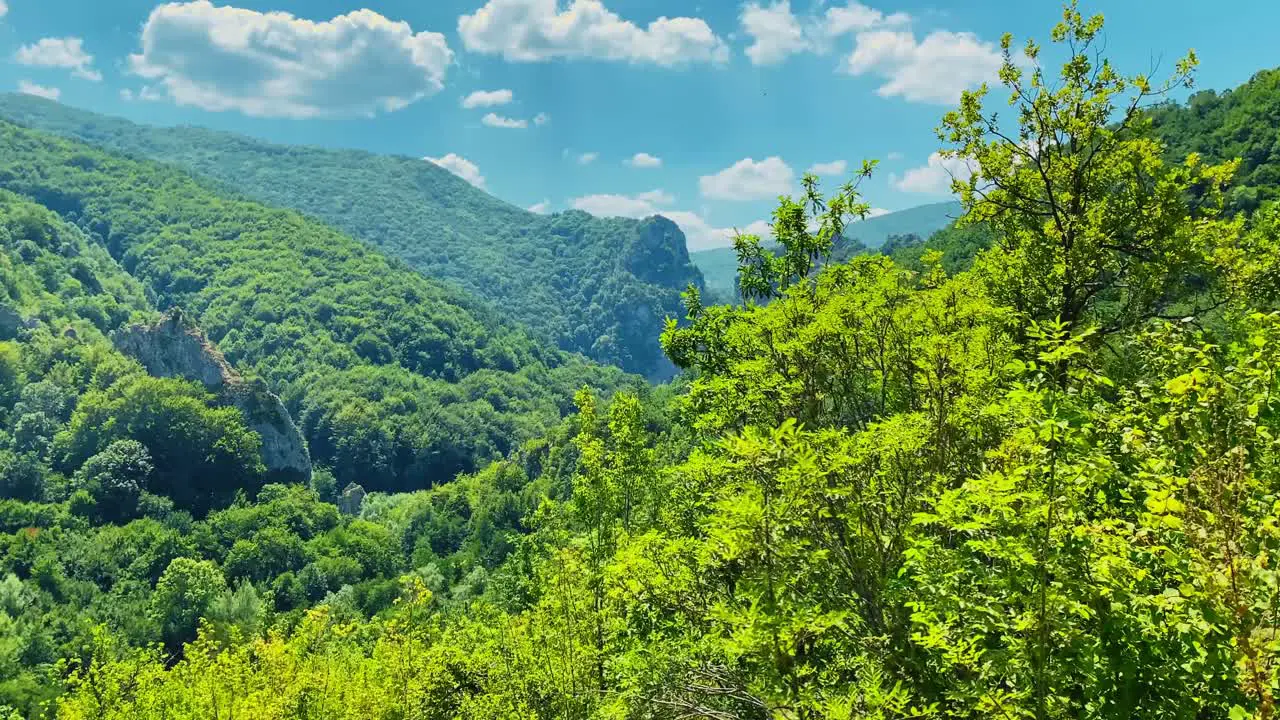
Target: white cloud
<point>934,70</point>
<point>461,167</point>
<point>835,167</point>
<point>500,121</point>
<point>587,158</point>
<point>934,178</point>
<point>540,208</point>
<point>541,119</point>
<point>66,52</point>
<point>29,88</point>
<point>657,197</point>
<point>699,234</point>
<point>635,206</point>
<point>536,30</point>
<point>856,17</point>
<point>877,212</point>
<point>893,156</point>
<point>4,9</point>
<point>276,65</point>
<point>644,160</point>
<point>702,235</point>
<point>749,180</point>
<point>777,33</point>
<point>487,98</point>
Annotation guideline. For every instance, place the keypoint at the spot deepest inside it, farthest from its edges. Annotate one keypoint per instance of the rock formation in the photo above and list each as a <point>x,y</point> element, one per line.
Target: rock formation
<point>174,347</point>
<point>352,499</point>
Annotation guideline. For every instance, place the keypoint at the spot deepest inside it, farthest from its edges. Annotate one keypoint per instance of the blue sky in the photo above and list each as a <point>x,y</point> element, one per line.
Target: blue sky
<point>701,111</point>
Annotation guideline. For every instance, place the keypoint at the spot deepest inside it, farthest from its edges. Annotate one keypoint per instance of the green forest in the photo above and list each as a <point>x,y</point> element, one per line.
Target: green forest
<point>1027,466</point>
<point>597,286</point>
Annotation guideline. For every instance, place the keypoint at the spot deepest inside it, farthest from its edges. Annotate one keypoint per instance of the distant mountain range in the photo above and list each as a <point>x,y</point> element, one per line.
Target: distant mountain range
<point>719,266</point>
<point>598,286</point>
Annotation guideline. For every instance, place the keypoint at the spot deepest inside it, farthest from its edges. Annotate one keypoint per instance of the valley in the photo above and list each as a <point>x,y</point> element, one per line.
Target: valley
<point>305,432</point>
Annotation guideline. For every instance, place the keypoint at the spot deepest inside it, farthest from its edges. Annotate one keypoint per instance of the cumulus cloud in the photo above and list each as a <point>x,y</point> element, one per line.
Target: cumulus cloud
<point>275,65</point>
<point>501,121</point>
<point>835,167</point>
<point>461,167</point>
<point>749,180</point>
<point>644,160</point>
<point>540,208</point>
<point>487,98</point>
<point>856,17</point>
<point>635,206</point>
<point>699,233</point>
<point>538,30</point>
<point>29,88</point>
<point>893,156</point>
<point>4,9</point>
<point>934,178</point>
<point>934,70</point>
<point>541,119</point>
<point>774,31</point>
<point>777,33</point>
<point>702,235</point>
<point>66,52</point>
<point>587,158</point>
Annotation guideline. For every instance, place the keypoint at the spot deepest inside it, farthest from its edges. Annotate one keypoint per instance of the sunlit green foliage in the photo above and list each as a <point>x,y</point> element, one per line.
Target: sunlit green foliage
<point>881,490</point>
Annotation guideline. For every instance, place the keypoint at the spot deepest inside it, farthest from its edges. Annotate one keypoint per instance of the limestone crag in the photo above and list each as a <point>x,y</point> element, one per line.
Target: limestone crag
<point>174,347</point>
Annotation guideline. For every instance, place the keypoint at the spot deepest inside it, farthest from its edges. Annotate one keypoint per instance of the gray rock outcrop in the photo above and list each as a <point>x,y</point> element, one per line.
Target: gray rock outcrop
<point>174,347</point>
<point>352,499</point>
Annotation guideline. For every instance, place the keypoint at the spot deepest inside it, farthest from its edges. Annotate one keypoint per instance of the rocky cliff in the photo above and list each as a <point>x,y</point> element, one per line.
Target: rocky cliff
<point>174,347</point>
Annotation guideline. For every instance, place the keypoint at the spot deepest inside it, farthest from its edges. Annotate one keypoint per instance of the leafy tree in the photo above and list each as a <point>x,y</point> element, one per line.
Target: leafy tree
<point>202,454</point>
<point>22,477</point>
<point>116,478</point>
<point>185,593</point>
<point>1091,225</point>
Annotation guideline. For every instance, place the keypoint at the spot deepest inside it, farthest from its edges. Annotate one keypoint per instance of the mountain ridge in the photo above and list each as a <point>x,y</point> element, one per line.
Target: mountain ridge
<point>568,277</point>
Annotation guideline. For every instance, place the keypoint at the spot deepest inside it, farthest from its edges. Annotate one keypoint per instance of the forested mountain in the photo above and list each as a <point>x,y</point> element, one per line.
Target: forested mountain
<point>1239,123</point>
<point>719,266</point>
<point>397,381</point>
<point>1026,467</point>
<point>598,286</point>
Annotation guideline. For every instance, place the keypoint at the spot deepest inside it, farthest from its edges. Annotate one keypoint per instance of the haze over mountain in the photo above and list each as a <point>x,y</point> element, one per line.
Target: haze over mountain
<point>598,286</point>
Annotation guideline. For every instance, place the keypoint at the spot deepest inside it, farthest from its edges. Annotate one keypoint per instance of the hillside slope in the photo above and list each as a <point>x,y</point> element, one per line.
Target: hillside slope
<point>1236,123</point>
<point>719,266</point>
<point>397,380</point>
<point>597,286</point>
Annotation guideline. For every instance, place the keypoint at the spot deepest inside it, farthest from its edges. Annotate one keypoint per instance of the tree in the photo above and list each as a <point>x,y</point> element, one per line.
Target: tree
<point>22,477</point>
<point>116,478</point>
<point>184,594</point>
<point>202,454</point>
<point>1090,224</point>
